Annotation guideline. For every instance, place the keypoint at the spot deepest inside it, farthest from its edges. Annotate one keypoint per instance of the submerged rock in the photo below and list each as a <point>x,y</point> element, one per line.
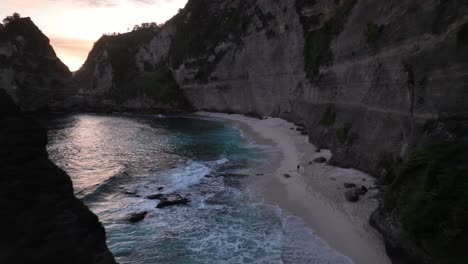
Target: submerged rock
<point>349,185</point>
<point>320,160</point>
<point>171,199</point>
<point>137,217</point>
<point>154,196</point>
<point>131,193</point>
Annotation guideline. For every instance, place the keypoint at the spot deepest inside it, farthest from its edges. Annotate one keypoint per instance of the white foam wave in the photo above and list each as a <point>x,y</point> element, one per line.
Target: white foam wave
<point>183,177</point>
<point>297,235</point>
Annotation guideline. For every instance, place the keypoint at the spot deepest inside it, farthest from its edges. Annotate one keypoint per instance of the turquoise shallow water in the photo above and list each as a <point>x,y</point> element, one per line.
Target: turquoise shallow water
<point>115,161</point>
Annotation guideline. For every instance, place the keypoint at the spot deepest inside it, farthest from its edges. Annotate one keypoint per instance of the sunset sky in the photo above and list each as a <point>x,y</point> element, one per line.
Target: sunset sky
<point>74,25</point>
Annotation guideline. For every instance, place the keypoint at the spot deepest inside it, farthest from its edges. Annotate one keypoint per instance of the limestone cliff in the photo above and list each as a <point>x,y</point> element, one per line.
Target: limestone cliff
<point>375,81</point>
<point>30,71</point>
<point>121,73</point>
<point>43,221</point>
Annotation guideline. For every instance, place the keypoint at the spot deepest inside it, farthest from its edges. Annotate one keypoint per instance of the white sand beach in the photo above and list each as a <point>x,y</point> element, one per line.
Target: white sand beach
<point>315,192</point>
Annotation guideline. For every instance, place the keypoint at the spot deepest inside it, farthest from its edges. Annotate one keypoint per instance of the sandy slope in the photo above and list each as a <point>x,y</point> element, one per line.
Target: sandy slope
<point>315,193</point>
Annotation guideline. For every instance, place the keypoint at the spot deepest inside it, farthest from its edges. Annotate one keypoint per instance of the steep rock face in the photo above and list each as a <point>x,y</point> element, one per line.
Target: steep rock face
<point>30,71</point>
<point>368,78</point>
<point>355,72</point>
<point>44,222</point>
<point>122,72</point>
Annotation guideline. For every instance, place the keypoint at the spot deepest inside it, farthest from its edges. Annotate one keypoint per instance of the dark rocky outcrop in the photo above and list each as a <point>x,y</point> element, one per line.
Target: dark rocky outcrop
<point>30,71</point>
<point>137,217</point>
<point>42,220</point>
<point>423,214</point>
<point>166,200</point>
<point>354,194</point>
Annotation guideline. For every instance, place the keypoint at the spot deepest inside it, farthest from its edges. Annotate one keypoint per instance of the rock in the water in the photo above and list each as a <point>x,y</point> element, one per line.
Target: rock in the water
<point>137,217</point>
<point>154,196</point>
<point>352,195</point>
<point>304,133</point>
<point>320,160</point>
<point>318,150</point>
<point>160,188</point>
<point>287,175</point>
<point>132,193</point>
<point>171,199</point>
<point>349,185</point>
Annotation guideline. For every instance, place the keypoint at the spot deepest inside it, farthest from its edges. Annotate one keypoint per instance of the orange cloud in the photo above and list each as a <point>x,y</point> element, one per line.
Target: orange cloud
<point>73,26</point>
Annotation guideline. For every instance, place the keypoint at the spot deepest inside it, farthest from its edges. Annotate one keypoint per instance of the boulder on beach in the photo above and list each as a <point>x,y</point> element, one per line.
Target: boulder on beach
<point>349,185</point>
<point>352,195</point>
<point>363,190</point>
<point>320,160</point>
<point>137,217</point>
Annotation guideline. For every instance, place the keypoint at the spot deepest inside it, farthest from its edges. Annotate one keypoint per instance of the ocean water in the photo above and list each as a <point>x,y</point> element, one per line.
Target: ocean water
<point>115,161</point>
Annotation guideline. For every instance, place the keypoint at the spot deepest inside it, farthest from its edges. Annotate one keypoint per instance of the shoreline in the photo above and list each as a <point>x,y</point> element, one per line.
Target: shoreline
<point>315,192</point>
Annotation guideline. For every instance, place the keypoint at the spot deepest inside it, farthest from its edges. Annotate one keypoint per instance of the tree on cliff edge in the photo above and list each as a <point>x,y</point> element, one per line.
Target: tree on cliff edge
<point>11,18</point>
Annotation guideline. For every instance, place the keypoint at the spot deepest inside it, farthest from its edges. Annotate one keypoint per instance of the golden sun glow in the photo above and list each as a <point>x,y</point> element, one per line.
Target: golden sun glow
<point>74,25</point>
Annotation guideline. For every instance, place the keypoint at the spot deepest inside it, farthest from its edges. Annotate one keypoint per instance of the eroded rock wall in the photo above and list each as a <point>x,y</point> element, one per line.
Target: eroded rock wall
<point>30,71</point>
<point>43,221</point>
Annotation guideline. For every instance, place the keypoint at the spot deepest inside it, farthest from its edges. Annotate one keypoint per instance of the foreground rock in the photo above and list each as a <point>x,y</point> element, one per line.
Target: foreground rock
<point>43,221</point>
<point>137,217</point>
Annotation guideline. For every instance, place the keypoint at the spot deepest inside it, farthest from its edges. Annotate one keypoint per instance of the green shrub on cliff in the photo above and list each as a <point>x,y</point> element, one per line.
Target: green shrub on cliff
<point>317,50</point>
<point>342,133</point>
<point>462,36</point>
<point>373,32</point>
<point>158,84</point>
<point>328,117</point>
<point>430,198</point>
<point>203,25</point>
